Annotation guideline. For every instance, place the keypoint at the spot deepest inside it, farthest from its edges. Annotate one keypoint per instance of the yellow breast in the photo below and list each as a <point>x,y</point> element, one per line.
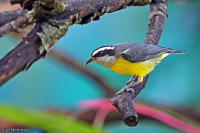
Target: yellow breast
<point>121,66</point>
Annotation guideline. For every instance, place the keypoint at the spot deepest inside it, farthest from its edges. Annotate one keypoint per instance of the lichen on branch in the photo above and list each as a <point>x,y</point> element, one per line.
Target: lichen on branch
<point>55,6</point>
<point>51,34</point>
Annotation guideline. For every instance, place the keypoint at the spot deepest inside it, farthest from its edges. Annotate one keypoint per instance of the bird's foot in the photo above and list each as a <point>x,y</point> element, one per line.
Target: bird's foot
<point>132,82</point>
<point>132,79</point>
<point>135,81</point>
<point>125,88</point>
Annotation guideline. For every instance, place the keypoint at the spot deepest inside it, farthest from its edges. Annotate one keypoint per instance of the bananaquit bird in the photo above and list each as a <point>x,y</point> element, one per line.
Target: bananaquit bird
<point>131,59</point>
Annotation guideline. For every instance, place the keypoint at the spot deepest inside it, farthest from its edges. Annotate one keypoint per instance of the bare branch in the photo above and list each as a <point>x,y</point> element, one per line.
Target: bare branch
<point>13,25</point>
<point>21,57</point>
<point>13,2</point>
<point>8,16</point>
<point>157,19</point>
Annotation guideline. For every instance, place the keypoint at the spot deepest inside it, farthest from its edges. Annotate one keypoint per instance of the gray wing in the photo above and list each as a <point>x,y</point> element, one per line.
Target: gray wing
<point>142,52</point>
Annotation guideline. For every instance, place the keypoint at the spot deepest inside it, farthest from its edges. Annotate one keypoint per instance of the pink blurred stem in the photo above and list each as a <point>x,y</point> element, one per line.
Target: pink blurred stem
<point>165,118</point>
<point>103,104</point>
<point>101,115</point>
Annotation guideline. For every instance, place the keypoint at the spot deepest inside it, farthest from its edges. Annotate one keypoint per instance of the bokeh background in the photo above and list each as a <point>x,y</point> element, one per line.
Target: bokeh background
<point>174,83</point>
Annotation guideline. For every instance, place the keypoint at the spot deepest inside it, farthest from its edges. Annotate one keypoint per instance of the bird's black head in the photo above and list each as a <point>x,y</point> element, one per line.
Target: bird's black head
<point>102,55</point>
<point>102,51</point>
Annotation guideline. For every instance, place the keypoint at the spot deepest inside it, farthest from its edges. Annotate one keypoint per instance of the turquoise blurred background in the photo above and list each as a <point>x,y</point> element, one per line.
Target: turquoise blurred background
<point>174,82</point>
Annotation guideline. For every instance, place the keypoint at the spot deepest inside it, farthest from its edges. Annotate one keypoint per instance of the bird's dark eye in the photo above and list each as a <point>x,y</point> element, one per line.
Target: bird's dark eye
<point>99,53</point>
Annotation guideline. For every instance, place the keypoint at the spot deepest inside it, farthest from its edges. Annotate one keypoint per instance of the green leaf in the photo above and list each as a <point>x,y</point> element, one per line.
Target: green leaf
<point>44,120</point>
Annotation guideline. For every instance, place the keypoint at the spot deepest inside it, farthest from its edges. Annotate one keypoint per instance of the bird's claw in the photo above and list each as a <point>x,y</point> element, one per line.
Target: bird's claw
<point>131,79</point>
<point>126,88</point>
<point>129,85</point>
<point>128,82</point>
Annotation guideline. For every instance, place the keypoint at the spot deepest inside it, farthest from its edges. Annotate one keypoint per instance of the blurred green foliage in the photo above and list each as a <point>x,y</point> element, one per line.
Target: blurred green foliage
<point>44,120</point>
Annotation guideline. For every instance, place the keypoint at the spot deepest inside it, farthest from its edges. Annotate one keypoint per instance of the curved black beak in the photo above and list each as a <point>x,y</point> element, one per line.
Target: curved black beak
<point>89,60</point>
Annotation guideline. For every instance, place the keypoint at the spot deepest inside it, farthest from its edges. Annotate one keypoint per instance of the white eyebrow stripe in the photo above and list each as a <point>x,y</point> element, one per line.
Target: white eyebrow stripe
<point>102,49</point>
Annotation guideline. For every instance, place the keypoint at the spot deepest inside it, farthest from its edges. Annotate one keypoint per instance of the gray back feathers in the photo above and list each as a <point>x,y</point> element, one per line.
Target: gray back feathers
<point>134,52</point>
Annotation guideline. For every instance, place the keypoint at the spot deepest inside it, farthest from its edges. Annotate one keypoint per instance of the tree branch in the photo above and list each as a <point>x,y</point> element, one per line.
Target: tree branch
<point>123,101</point>
<point>56,22</point>
<point>13,25</point>
<point>8,16</point>
<point>21,57</point>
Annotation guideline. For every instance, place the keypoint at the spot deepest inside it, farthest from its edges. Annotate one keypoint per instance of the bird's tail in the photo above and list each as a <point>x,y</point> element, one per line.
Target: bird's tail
<point>176,52</point>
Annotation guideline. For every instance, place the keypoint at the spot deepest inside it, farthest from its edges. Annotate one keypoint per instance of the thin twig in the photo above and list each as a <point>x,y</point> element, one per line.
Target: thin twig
<point>70,62</point>
<point>13,25</point>
<point>8,16</point>
<point>23,6</point>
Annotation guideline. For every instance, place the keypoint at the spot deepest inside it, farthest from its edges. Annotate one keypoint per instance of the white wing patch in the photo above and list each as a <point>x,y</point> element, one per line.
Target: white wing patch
<point>102,49</point>
<point>126,51</point>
